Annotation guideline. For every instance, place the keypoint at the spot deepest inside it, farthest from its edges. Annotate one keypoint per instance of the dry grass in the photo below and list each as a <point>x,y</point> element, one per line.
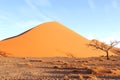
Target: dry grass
<point>92,78</point>
<point>56,67</point>
<point>35,60</point>
<point>13,68</point>
<point>98,70</point>
<point>66,77</point>
<point>24,64</point>
<point>81,77</point>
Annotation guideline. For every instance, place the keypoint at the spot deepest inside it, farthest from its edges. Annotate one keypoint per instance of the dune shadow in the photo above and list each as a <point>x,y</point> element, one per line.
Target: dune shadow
<point>18,34</point>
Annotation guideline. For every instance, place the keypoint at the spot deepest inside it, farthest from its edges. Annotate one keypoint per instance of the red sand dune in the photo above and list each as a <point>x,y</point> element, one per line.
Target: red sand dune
<point>48,40</point>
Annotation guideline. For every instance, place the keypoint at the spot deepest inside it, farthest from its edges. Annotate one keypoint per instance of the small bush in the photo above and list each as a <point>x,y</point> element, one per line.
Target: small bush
<point>66,78</point>
<point>92,78</point>
<point>98,70</point>
<point>100,59</point>
<point>24,64</point>
<point>35,60</point>
<point>57,67</point>
<point>81,77</point>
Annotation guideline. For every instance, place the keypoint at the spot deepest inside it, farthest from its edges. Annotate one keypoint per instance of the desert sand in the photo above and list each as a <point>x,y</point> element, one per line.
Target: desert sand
<point>50,39</point>
<point>59,68</point>
<point>51,51</point>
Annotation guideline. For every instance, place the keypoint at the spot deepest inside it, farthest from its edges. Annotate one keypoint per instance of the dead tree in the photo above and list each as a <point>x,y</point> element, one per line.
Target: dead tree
<point>103,46</point>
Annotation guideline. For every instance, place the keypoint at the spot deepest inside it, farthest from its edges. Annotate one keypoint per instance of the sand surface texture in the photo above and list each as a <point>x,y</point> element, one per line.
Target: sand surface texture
<point>26,68</point>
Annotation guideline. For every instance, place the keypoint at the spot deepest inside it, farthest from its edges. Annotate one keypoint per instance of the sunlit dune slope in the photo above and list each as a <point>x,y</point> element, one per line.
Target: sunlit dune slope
<point>48,40</point>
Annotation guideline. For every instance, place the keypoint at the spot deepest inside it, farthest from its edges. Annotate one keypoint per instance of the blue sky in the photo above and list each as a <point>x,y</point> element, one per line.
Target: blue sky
<point>98,19</point>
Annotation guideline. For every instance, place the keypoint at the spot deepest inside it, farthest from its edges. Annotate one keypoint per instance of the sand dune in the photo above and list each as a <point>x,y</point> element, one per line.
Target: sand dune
<point>48,40</point>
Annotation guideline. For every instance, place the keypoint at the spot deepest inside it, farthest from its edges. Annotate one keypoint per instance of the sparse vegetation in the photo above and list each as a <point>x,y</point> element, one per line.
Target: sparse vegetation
<point>35,60</point>
<point>103,46</point>
<point>13,68</point>
<point>57,67</point>
<point>81,77</point>
<point>66,77</point>
<point>92,78</point>
<point>4,54</point>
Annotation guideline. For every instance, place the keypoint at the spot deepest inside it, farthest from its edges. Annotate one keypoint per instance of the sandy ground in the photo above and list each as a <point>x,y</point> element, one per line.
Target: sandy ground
<point>59,68</point>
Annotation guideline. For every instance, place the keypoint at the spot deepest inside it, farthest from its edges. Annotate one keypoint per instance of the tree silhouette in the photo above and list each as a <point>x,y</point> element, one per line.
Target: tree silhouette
<point>103,46</point>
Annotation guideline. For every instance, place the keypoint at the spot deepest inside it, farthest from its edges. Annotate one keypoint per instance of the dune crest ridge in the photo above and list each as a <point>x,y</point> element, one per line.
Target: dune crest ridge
<point>50,39</point>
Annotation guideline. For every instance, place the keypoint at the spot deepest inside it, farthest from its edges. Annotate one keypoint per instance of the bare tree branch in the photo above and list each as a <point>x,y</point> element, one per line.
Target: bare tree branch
<point>103,46</point>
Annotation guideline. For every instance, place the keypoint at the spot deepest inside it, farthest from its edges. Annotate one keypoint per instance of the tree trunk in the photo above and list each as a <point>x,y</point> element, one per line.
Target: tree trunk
<point>107,55</point>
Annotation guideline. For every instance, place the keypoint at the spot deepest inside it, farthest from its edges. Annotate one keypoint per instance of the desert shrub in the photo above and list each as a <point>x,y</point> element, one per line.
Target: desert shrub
<point>92,77</point>
<point>74,65</point>
<point>24,57</point>
<point>81,77</point>
<point>69,66</point>
<point>24,64</point>
<point>66,78</point>
<point>56,66</point>
<point>100,59</point>
<point>114,60</point>
<point>115,71</point>
<point>98,70</point>
<point>35,60</point>
<point>85,61</point>
<point>60,61</point>
<point>89,71</point>
<point>102,56</point>
<point>4,54</point>
<point>66,63</point>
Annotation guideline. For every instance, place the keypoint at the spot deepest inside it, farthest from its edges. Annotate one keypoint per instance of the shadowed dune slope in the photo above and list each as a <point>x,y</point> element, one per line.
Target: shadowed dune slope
<point>48,40</point>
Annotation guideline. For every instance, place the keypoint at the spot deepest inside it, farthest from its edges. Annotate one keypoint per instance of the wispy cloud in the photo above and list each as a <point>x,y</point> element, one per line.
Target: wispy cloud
<point>33,4</point>
<point>44,3</point>
<point>8,19</point>
<point>91,4</point>
<point>106,8</point>
<point>114,4</point>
